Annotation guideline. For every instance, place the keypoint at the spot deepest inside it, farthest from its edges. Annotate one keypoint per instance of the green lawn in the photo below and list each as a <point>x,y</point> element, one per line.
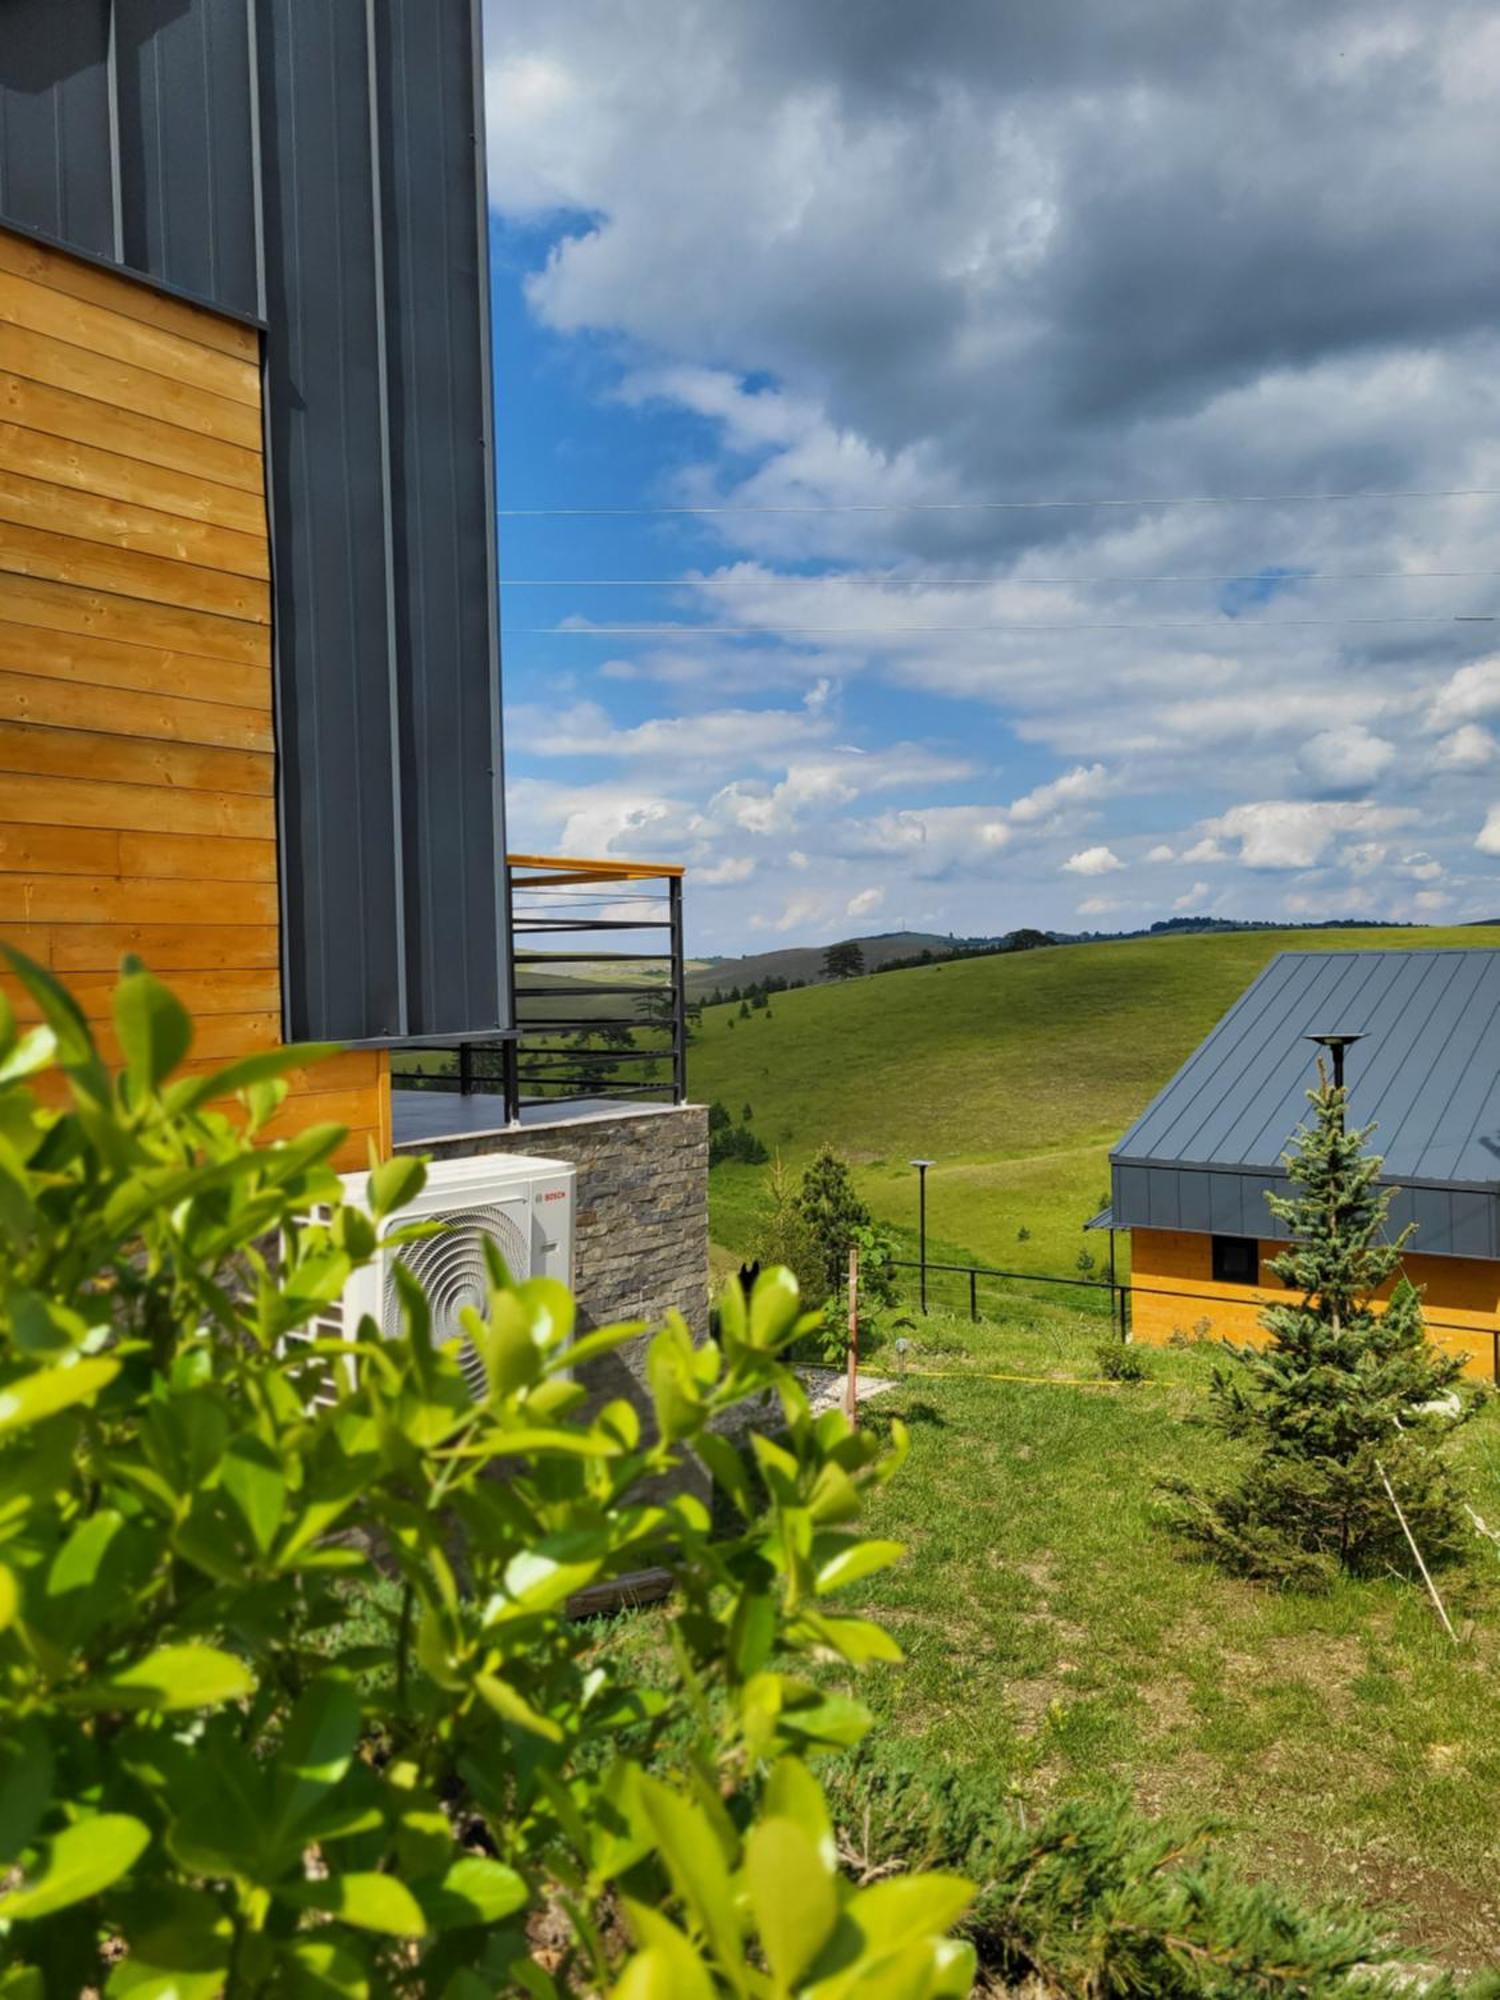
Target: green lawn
<point>1056,1638</point>
<point>1015,1074</point>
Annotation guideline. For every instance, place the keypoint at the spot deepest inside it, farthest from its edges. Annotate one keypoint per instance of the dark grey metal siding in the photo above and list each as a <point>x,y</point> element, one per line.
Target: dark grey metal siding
<point>319,165</point>
<point>187,147</point>
<point>1449,1222</point>
<point>1427,1076</point>
<point>435,252</point>
<point>55,115</point>
<point>330,518</point>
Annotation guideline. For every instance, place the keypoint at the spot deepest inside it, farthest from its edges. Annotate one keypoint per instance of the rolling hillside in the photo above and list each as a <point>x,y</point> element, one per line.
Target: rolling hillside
<point>804,961</point>
<point>1014,1074</point>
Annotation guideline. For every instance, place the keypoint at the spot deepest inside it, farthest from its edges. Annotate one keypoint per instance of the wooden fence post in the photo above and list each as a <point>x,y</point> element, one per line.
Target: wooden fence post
<point>851,1390</point>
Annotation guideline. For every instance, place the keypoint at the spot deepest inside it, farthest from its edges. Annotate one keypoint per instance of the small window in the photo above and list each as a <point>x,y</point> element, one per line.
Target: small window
<point>1236,1260</point>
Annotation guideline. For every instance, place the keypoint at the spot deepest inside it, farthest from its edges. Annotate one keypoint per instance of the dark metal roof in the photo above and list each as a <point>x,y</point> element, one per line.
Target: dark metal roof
<point>318,165</point>
<point>1427,1076</point>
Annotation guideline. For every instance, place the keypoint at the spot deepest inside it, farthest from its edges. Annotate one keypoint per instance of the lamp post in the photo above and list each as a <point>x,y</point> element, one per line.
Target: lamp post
<point>1336,1044</point>
<point>921,1167</point>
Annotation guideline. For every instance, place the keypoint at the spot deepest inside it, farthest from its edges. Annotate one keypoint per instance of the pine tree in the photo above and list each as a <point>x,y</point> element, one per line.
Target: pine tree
<point>784,1235</point>
<point>1342,1390</point>
<point>834,1213</point>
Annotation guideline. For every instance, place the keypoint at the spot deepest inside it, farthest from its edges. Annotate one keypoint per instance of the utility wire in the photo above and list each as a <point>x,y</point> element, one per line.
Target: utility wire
<point>776,578</point>
<point>1007,506</point>
<point>772,631</point>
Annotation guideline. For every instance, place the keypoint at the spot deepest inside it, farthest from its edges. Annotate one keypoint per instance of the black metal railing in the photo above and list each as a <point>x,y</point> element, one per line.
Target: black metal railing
<point>976,1289</point>
<point>598,993</point>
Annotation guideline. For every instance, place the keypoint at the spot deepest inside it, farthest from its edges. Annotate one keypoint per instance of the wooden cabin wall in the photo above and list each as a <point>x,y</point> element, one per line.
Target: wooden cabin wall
<point>137,757</point>
<point>1174,1295</point>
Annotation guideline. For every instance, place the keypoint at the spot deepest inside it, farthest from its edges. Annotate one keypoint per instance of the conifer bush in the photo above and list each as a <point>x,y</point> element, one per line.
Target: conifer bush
<point>1094,1901</point>
<point>204,1789</point>
<point>1346,1389</point>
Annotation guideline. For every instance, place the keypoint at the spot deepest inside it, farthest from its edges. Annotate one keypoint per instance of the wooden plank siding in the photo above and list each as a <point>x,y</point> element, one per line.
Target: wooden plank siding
<point>137,746</point>
<point>1174,1295</point>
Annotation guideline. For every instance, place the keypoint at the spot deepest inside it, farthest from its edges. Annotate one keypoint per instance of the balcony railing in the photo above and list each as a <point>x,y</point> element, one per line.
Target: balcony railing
<point>598,994</point>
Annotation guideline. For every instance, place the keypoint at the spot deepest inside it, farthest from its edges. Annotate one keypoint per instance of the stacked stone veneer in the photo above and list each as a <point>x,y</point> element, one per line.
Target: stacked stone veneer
<point>640,1223</point>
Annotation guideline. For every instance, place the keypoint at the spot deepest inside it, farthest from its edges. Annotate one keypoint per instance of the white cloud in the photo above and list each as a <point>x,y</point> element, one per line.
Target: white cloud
<point>1470,748</point>
<point>1192,899</point>
<point>1093,861</point>
<point>1487,840</point>
<point>1346,759</point>
<point>865,904</point>
<point>1420,867</point>
<point>1073,788</point>
<point>735,868</point>
<point>1473,691</point>
<point>1297,833</point>
<point>1099,906</point>
<point>700,184</point>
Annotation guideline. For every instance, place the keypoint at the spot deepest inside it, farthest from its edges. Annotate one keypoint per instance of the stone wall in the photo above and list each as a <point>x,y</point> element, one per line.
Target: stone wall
<point>640,1245</point>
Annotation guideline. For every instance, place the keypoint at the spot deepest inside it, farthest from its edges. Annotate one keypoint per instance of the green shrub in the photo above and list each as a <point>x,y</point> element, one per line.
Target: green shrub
<point>208,1783</point>
<point>1121,1361</point>
<point>1094,1902</point>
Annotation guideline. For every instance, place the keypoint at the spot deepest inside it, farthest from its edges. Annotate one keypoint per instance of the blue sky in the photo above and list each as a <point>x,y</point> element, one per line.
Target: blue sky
<point>849,277</point>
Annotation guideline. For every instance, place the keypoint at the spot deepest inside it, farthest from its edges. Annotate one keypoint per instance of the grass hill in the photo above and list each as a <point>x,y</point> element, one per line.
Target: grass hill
<point>805,961</point>
<point>1014,1074</point>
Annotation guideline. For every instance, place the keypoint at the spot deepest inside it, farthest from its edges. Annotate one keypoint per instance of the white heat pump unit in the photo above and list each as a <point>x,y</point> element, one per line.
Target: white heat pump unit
<point>524,1206</point>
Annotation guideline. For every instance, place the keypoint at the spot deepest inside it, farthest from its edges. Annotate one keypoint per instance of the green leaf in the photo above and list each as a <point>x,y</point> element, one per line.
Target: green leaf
<point>30,1399</point>
<point>36,1050</point>
<point>695,1861</point>
<point>475,1890</point>
<point>368,1901</point>
<point>538,1581</point>
<point>892,1915</point>
<point>79,1862</point>
<point>25,1787</point>
<point>793,1893</point>
<point>318,1969</point>
<point>394,1183</point>
<point>61,1012</point>
<point>856,1561</point>
<point>316,1751</point>
<point>253,1479</point>
<point>512,1707</point>
<point>10,1597</point>
<point>179,1947</point>
<point>727,1470</point>
<point>667,1968</point>
<point>173,1678</point>
<point>773,1308</point>
<point>857,1640</point>
<point>154,1030</point>
<point>195,1091</point>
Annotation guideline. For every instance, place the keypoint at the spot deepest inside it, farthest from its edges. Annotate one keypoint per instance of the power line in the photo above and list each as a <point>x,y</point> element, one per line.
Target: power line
<point>773,631</point>
<point>1007,506</point>
<point>841,578</point>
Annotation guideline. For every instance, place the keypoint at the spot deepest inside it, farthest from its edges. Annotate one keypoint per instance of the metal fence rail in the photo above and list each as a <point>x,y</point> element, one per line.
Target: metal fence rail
<point>1121,1291</point>
<point>606,1020</point>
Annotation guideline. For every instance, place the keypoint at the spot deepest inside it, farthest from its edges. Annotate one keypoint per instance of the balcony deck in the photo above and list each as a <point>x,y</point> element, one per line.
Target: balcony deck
<point>421,1115</point>
<point>599,1005</point>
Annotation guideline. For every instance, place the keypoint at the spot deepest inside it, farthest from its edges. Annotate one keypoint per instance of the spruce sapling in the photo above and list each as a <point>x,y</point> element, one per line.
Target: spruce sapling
<point>1343,1386</point>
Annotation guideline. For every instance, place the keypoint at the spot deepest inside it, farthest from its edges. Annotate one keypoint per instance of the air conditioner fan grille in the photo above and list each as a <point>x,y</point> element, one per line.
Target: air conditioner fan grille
<point>452,1271</point>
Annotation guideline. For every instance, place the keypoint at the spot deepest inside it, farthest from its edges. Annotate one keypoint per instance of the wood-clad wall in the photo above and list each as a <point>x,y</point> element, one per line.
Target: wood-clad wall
<point>1174,1292</point>
<point>137,766</point>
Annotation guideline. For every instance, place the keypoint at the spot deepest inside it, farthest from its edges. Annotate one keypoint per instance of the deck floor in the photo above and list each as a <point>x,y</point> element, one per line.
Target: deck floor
<point>418,1116</point>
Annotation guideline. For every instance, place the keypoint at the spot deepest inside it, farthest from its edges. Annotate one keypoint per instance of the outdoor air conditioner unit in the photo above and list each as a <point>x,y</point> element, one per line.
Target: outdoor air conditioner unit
<point>524,1206</point>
